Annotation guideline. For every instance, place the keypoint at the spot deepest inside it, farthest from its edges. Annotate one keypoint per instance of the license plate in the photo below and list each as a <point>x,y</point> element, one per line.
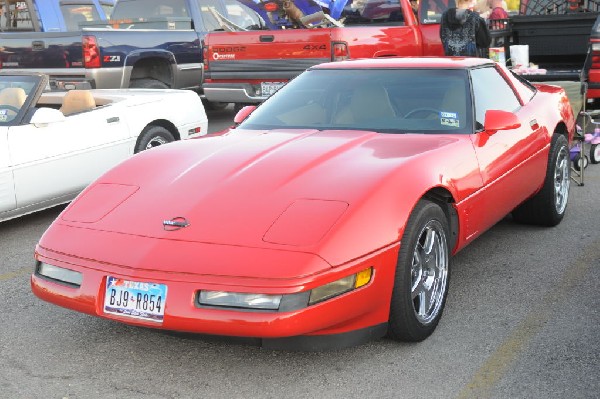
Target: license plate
<point>135,299</point>
<point>268,88</point>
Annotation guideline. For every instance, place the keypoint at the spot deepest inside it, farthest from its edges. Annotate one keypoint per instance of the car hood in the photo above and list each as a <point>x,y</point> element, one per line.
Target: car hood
<point>276,189</point>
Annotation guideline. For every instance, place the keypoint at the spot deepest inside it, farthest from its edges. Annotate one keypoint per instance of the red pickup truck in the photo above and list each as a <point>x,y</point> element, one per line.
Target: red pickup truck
<point>245,67</point>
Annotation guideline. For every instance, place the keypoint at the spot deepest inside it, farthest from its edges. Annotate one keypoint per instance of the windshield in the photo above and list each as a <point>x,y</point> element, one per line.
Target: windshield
<point>381,100</point>
<point>16,93</point>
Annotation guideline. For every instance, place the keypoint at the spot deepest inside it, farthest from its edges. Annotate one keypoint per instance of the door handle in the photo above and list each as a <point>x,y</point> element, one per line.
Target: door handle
<point>113,119</point>
<point>266,38</point>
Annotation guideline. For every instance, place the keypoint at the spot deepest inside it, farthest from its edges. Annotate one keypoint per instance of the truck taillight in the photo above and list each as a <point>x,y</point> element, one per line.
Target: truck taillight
<point>91,52</point>
<point>271,7</point>
<point>339,51</point>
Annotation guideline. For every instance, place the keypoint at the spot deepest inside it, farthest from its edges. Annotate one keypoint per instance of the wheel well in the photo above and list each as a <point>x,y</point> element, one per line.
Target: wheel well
<point>444,199</point>
<point>561,128</point>
<point>153,68</point>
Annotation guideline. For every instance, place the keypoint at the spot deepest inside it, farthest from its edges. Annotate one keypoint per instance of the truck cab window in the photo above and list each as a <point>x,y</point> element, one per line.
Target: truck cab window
<point>373,12</point>
<point>74,14</point>
<point>15,16</point>
<point>211,23</point>
<point>243,16</point>
<point>137,10</point>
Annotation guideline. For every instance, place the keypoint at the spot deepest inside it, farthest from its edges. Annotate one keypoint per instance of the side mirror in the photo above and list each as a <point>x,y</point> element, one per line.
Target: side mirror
<point>500,120</point>
<point>243,114</point>
<point>45,116</point>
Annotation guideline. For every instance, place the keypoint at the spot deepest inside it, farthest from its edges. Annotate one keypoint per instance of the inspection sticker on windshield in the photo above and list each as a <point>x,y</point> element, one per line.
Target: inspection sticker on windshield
<point>137,299</point>
<point>449,119</point>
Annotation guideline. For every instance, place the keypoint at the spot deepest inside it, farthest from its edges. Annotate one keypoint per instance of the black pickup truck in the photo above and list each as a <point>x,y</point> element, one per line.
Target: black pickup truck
<point>558,36</point>
<point>146,44</point>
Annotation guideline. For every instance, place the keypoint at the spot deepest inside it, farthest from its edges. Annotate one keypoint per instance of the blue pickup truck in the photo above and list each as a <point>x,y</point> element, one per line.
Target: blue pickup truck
<point>145,44</point>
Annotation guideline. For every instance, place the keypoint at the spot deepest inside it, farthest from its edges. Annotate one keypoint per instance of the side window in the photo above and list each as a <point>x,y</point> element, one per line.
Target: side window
<point>491,91</point>
<point>15,16</point>
<point>373,12</point>
<point>242,15</point>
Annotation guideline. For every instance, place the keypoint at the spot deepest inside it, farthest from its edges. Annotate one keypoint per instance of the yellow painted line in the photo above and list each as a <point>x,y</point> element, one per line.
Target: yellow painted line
<point>16,273</point>
<point>490,373</point>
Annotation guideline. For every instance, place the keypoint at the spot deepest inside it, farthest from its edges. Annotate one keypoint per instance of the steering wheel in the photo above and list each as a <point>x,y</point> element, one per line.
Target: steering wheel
<point>10,108</point>
<point>421,110</point>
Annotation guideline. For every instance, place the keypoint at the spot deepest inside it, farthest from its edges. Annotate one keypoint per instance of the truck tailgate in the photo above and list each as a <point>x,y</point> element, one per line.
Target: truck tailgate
<point>280,54</point>
<point>41,50</point>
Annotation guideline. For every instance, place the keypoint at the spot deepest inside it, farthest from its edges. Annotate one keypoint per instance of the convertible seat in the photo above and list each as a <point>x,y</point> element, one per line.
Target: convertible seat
<point>367,102</point>
<point>13,96</point>
<point>76,101</point>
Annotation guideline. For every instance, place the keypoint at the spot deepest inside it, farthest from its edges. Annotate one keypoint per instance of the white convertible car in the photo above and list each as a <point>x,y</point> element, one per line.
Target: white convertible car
<point>52,144</point>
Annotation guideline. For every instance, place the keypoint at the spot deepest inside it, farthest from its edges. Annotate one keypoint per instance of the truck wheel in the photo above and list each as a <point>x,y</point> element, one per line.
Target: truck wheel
<point>153,136</point>
<point>422,275</point>
<point>548,206</point>
<point>148,84</point>
<point>595,153</point>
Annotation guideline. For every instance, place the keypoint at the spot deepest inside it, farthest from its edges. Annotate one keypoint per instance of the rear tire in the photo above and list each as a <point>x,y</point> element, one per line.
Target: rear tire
<point>422,275</point>
<point>147,83</point>
<point>547,207</point>
<point>153,136</point>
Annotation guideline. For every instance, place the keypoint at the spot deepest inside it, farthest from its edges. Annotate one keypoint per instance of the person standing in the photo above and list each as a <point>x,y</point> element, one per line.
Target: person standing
<point>464,32</point>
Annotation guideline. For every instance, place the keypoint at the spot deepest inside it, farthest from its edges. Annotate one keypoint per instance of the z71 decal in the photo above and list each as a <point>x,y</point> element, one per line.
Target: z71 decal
<point>112,58</point>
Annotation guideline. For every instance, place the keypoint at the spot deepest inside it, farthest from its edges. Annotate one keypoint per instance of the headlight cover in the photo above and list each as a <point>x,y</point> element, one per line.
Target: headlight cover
<point>59,274</point>
<point>283,303</point>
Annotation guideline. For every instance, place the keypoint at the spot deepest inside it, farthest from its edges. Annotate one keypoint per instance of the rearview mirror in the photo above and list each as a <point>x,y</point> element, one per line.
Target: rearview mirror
<point>500,120</point>
<point>243,113</point>
<point>44,116</point>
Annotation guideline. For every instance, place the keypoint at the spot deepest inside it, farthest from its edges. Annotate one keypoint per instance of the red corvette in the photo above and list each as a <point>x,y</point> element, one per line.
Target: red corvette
<point>327,216</point>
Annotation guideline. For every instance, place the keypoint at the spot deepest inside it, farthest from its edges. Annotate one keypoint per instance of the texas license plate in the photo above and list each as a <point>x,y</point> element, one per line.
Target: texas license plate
<point>268,88</point>
<point>135,299</point>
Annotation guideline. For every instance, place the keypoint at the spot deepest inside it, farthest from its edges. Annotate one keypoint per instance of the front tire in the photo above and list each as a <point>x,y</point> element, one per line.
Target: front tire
<point>153,136</point>
<point>422,275</point>
<point>548,206</point>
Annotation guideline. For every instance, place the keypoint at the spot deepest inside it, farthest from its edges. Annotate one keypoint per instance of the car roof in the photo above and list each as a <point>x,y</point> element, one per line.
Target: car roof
<point>408,62</point>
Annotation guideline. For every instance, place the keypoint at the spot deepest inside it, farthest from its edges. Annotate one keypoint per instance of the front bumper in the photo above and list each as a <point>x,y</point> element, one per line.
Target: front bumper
<point>345,320</point>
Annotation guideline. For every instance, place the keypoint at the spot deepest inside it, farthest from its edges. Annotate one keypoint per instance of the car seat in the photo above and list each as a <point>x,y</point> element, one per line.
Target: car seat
<point>76,101</point>
<point>13,96</point>
<point>367,102</point>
